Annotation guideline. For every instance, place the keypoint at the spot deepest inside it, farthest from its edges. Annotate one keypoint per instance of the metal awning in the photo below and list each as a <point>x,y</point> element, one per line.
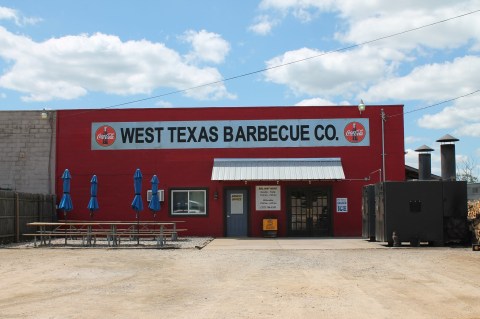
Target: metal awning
<point>277,169</point>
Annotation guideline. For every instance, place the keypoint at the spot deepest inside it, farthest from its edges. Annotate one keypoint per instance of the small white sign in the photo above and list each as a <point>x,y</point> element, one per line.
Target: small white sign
<point>342,205</point>
<point>236,204</point>
<point>267,198</point>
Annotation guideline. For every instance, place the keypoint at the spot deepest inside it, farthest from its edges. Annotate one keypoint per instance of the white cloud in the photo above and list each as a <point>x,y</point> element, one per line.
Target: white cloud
<point>436,164</point>
<point>338,73</point>
<point>315,102</point>
<point>304,10</point>
<point>411,159</point>
<point>163,104</point>
<point>431,82</point>
<point>413,139</point>
<point>71,66</point>
<point>8,14</point>
<point>469,130</point>
<point>463,116</point>
<point>369,20</point>
<point>381,61</point>
<point>207,46</point>
<point>460,158</point>
<point>380,18</point>
<point>20,20</point>
<point>438,82</point>
<point>263,25</point>
<point>373,69</point>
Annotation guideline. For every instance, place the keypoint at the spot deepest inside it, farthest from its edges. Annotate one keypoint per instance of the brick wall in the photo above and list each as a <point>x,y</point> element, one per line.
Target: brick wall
<point>27,151</point>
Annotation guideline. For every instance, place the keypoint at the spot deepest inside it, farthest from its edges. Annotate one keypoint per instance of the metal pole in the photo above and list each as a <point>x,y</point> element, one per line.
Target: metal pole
<point>50,152</point>
<point>382,112</point>
<point>138,229</point>
<point>17,218</point>
<point>65,221</point>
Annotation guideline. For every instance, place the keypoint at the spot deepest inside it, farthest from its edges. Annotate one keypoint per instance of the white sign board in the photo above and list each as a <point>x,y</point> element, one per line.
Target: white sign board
<point>236,204</point>
<point>267,198</point>
<point>230,134</point>
<point>342,205</point>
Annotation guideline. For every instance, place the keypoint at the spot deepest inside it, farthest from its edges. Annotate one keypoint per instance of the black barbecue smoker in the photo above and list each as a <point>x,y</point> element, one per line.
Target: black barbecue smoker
<point>423,210</point>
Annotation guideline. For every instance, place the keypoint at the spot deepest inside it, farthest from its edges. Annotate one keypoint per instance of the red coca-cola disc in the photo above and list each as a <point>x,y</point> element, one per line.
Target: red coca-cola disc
<point>105,135</point>
<point>354,132</point>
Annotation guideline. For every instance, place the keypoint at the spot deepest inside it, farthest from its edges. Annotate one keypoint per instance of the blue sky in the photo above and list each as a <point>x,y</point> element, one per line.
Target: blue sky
<point>96,54</point>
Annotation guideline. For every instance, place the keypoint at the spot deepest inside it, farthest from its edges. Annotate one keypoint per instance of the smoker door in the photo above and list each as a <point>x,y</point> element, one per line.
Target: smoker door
<point>368,212</point>
<point>380,231</point>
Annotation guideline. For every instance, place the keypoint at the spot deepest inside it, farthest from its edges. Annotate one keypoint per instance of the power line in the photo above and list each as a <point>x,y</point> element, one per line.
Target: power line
<point>436,104</point>
<point>292,62</point>
<point>387,116</point>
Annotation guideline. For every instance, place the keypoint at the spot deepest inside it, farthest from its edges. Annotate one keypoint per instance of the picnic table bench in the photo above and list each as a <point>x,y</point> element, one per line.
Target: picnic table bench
<point>112,231</point>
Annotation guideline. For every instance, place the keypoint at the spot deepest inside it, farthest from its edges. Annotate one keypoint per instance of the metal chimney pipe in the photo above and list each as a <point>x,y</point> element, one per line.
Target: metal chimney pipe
<point>447,157</point>
<point>424,163</point>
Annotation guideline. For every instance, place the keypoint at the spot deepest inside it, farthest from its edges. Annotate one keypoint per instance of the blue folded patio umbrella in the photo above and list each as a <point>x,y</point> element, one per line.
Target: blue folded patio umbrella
<point>66,202</point>
<point>93,203</point>
<point>137,203</point>
<point>154,204</point>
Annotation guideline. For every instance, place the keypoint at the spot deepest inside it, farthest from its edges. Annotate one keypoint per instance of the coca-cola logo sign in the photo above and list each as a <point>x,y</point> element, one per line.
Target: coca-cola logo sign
<point>354,132</point>
<point>105,135</point>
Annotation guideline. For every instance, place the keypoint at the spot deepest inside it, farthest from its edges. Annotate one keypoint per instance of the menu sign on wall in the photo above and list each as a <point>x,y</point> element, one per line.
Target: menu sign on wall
<point>267,198</point>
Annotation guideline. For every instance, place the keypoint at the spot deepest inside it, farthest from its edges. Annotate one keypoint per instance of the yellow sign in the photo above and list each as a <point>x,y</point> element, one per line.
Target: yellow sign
<point>270,224</point>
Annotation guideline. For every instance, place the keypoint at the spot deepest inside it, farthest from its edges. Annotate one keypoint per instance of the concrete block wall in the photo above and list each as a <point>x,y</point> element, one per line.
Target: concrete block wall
<point>473,191</point>
<point>27,151</point>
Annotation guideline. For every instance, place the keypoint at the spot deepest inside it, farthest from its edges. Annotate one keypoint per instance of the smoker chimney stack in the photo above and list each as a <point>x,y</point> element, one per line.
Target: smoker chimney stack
<point>424,163</point>
<point>447,156</point>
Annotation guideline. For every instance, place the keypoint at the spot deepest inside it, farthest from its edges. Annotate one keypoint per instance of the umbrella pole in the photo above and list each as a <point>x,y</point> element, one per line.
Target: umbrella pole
<point>89,230</point>
<point>138,229</point>
<point>65,221</point>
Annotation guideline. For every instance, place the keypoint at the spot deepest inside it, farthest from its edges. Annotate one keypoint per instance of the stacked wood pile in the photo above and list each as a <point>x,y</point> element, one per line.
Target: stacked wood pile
<point>473,209</point>
<point>474,217</point>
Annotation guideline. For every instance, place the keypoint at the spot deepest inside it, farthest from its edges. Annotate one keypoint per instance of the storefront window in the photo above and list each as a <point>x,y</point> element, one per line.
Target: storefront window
<point>188,202</point>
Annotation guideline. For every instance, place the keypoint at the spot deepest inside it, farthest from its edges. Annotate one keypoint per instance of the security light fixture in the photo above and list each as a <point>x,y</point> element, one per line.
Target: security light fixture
<point>361,106</point>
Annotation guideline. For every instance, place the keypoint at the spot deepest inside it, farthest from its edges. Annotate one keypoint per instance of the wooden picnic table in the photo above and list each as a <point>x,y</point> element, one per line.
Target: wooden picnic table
<point>112,230</point>
<point>131,223</point>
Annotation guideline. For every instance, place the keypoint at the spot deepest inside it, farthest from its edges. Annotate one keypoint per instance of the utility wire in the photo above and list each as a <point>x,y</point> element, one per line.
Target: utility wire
<point>436,104</point>
<point>386,116</point>
<point>293,62</point>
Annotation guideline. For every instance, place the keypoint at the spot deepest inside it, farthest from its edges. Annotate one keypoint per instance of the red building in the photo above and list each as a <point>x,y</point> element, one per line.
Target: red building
<point>224,169</point>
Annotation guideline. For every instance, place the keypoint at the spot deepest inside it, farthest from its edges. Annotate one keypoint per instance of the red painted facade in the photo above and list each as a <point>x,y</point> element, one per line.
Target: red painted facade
<point>192,168</point>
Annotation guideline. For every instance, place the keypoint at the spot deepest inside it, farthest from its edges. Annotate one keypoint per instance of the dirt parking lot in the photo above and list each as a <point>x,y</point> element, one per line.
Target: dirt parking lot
<point>317,280</point>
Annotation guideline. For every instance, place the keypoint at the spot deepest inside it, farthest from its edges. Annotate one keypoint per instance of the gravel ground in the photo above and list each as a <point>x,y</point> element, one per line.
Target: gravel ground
<point>239,283</point>
<point>180,243</point>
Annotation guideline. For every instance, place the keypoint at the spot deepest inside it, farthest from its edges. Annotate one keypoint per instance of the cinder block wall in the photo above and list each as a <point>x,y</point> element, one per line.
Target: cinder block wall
<point>27,151</point>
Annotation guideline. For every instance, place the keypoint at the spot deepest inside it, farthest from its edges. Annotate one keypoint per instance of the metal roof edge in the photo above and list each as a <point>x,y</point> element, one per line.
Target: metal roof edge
<point>318,159</point>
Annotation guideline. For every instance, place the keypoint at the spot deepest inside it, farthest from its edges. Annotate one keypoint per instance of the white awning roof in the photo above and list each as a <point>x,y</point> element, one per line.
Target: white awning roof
<point>277,169</point>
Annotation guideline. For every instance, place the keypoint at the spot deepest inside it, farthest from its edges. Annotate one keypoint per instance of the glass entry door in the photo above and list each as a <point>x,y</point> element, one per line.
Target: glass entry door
<point>309,212</point>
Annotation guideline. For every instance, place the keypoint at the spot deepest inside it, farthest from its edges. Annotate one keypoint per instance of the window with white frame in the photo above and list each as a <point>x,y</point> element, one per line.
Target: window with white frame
<point>188,202</point>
